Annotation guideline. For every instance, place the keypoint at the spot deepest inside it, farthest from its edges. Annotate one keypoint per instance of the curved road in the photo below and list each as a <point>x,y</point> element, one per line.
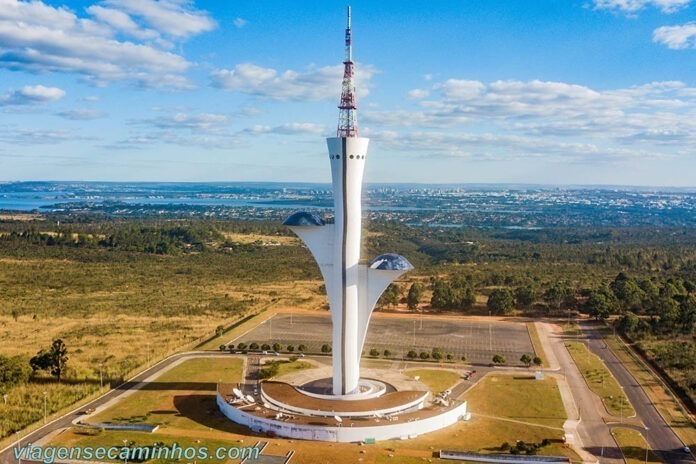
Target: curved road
<point>662,439</point>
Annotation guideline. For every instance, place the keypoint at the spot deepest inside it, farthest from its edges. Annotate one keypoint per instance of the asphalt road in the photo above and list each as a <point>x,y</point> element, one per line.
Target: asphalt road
<point>594,433</point>
<point>660,435</point>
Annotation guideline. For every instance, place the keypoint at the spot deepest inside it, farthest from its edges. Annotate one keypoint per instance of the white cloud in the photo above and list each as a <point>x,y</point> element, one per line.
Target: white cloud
<point>39,38</point>
<point>418,94</point>
<point>202,122</point>
<point>293,128</point>
<point>38,136</point>
<point>29,95</point>
<point>315,84</point>
<point>532,118</point>
<point>240,22</point>
<point>676,37</point>
<point>175,18</point>
<point>631,6</point>
<point>81,114</point>
<point>121,22</point>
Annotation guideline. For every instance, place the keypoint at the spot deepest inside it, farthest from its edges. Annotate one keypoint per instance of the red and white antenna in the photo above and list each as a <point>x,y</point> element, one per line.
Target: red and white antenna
<point>348,114</point>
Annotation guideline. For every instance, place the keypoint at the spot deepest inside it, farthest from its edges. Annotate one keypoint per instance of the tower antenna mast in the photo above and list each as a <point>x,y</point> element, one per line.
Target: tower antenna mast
<point>348,111</point>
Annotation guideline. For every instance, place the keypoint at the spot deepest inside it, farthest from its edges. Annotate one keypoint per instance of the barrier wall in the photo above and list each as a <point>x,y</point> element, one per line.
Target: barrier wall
<point>345,433</point>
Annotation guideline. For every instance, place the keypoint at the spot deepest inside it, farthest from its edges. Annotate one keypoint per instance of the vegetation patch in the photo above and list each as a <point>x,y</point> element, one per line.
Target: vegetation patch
<point>518,397</point>
<point>633,446</point>
<point>437,380</point>
<point>600,380</point>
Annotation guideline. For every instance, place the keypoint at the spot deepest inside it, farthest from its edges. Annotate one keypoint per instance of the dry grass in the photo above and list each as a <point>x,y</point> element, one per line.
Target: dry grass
<point>268,240</point>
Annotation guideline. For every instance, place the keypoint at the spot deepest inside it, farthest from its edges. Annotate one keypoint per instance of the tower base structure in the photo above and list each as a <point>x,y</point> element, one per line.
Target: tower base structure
<point>284,410</point>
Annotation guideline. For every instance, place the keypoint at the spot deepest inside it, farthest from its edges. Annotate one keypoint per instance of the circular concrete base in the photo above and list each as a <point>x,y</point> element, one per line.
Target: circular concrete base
<point>367,388</point>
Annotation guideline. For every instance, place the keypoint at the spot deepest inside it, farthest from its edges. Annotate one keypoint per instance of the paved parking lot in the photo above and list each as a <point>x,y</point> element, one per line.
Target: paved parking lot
<point>479,341</point>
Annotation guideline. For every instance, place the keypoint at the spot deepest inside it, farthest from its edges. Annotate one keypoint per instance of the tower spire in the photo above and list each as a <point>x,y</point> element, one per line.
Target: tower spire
<point>348,114</point>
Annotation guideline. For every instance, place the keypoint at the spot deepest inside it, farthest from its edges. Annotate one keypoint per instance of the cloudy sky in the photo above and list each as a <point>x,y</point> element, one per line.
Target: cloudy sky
<point>555,92</point>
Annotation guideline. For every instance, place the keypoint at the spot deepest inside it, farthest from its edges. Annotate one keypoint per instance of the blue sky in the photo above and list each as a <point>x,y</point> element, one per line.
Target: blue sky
<point>555,92</point>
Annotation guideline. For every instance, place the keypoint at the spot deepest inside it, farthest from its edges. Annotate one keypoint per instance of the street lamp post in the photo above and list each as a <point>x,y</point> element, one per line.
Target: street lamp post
<point>490,332</point>
<point>646,444</point>
<point>101,378</point>
<point>621,405</point>
<point>414,335</point>
<point>18,445</point>
<point>124,445</point>
<point>45,394</point>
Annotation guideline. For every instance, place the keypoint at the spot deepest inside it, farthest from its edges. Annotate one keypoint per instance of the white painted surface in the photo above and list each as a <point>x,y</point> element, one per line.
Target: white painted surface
<point>345,433</point>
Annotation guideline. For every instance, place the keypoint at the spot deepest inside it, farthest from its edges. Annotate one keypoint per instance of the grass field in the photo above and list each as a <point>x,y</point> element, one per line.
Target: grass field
<point>182,398</point>
<point>538,347</point>
<point>437,380</point>
<point>518,397</point>
<point>663,399</point>
<point>600,380</point>
<point>287,367</point>
<point>633,445</point>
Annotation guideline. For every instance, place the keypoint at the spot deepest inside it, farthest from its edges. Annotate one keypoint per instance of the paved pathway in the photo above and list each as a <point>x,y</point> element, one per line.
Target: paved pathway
<point>592,433</point>
<point>660,435</point>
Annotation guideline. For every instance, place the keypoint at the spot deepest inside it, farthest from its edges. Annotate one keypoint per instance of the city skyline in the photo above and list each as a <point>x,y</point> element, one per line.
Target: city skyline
<point>596,92</point>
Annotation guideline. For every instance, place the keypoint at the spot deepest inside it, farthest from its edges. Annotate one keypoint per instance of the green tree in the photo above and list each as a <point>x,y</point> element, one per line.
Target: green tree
<point>265,347</point>
<point>537,361</point>
<point>277,347</point>
<point>412,354</point>
<point>414,296</point>
<point>526,359</point>
<point>387,353</point>
<point>53,360</point>
<point>598,305</point>
<point>498,359</point>
<point>291,348</point>
<point>390,297</point>
<point>242,346</point>
<point>13,371</point>
<point>424,355</point>
<point>559,295</point>
<point>254,346</point>
<point>501,301</point>
<point>437,354</point>
<point>374,352</point>
<point>326,348</point>
<point>525,296</point>
<point>302,348</point>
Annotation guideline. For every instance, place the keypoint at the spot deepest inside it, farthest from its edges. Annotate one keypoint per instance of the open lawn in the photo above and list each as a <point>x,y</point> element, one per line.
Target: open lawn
<point>633,446</point>
<point>182,398</point>
<point>600,380</point>
<point>518,397</point>
<point>437,380</point>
